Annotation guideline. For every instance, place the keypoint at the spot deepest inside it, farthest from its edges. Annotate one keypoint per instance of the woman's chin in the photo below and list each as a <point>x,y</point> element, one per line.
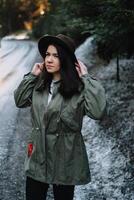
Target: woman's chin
<point>50,71</point>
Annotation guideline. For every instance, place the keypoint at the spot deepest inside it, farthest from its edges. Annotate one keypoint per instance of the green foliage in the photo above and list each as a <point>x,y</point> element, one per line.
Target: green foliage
<point>114,30</point>
<point>14,13</point>
<point>63,18</point>
<point>8,18</point>
<point>110,21</point>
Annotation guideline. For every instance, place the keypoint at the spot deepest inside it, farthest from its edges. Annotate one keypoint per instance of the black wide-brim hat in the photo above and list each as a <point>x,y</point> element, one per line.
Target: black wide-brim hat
<point>62,40</point>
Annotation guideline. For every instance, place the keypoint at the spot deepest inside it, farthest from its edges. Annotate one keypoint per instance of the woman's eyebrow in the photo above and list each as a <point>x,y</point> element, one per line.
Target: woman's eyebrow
<point>55,54</point>
<point>51,53</point>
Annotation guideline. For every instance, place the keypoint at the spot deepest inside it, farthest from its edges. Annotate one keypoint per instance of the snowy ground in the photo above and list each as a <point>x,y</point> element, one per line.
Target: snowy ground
<point>109,142</point>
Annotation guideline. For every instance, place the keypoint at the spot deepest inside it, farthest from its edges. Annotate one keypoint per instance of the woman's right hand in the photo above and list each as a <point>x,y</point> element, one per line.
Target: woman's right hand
<point>37,69</point>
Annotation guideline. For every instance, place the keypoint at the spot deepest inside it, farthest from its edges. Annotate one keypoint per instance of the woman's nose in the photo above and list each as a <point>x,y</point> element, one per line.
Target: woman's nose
<point>50,59</point>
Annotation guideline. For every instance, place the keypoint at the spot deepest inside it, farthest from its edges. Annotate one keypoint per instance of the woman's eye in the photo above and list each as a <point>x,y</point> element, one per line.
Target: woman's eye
<point>54,55</point>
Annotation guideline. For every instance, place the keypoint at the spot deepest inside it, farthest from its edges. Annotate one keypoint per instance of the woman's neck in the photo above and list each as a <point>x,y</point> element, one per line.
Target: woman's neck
<point>56,76</point>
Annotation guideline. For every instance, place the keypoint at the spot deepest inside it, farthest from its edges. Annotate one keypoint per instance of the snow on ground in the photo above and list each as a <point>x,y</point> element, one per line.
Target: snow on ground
<point>110,142</point>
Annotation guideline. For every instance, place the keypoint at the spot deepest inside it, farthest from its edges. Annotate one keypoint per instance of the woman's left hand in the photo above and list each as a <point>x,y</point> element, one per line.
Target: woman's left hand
<point>81,68</point>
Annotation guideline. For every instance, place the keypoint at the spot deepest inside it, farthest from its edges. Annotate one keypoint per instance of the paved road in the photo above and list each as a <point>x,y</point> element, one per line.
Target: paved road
<point>16,59</point>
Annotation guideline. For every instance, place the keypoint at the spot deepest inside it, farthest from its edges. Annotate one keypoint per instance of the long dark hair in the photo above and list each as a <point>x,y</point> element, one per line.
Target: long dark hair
<point>70,83</point>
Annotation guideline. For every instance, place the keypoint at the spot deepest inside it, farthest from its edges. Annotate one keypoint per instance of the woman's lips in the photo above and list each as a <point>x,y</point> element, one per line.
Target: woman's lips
<point>49,66</point>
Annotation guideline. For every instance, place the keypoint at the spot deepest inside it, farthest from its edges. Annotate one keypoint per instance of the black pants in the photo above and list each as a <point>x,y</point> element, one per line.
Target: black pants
<point>36,190</point>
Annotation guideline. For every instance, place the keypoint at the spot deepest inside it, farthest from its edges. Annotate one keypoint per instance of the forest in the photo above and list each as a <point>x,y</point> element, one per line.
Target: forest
<point>111,22</point>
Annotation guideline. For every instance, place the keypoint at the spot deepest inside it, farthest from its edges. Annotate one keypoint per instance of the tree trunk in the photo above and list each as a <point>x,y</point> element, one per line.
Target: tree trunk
<point>118,69</point>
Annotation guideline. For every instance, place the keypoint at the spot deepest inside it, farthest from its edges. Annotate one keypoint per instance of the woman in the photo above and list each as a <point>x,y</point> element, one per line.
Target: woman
<point>60,92</point>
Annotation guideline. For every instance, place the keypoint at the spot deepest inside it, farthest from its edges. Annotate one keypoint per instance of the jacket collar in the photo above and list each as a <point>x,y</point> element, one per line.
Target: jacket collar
<point>40,84</point>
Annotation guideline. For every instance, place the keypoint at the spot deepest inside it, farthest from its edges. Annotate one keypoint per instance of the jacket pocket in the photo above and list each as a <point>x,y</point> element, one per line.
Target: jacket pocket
<point>39,142</point>
<point>35,147</point>
<point>68,124</point>
<point>72,114</point>
<point>71,120</point>
<point>30,149</point>
<point>30,157</point>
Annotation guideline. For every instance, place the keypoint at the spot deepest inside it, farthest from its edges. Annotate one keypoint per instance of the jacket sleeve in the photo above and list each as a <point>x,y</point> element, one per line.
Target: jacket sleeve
<point>94,97</point>
<point>23,94</point>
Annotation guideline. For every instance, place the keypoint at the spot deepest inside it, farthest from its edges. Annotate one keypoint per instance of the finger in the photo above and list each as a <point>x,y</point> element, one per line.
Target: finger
<point>78,71</point>
<point>77,65</point>
<point>81,63</point>
<point>40,67</point>
<point>79,68</point>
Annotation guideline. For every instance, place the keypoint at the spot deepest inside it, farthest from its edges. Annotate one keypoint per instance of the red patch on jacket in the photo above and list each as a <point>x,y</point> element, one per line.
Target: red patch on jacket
<point>30,149</point>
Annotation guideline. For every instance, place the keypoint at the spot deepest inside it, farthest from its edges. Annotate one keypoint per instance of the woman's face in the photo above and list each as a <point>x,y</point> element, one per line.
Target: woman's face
<point>52,61</point>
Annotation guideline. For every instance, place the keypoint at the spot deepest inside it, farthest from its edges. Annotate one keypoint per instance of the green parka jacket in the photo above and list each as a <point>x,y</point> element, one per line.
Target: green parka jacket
<point>57,153</point>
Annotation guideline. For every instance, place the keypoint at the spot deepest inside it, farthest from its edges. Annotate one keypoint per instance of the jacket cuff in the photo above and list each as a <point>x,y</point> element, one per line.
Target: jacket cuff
<point>30,75</point>
<point>88,77</point>
<point>85,75</point>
